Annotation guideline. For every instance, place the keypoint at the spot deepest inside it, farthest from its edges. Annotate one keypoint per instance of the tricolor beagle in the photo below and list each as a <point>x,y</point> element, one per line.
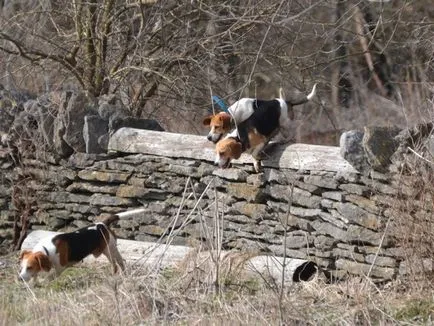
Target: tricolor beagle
<point>66,249</point>
<point>223,122</point>
<point>267,118</point>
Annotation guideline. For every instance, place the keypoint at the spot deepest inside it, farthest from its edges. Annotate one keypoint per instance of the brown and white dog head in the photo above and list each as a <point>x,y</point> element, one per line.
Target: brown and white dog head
<point>32,263</point>
<point>226,150</point>
<point>220,125</point>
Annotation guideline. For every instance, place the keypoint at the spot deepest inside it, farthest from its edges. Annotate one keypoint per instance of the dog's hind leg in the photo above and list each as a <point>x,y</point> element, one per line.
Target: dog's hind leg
<point>113,255</point>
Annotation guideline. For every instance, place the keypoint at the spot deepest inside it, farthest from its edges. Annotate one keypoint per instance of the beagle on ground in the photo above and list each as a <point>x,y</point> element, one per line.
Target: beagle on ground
<point>60,251</point>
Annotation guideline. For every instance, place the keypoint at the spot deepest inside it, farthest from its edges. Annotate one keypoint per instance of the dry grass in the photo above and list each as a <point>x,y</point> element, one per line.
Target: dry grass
<point>90,295</point>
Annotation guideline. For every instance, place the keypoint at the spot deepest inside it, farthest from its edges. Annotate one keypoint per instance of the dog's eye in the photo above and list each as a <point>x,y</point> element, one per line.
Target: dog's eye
<point>29,268</point>
<point>221,153</point>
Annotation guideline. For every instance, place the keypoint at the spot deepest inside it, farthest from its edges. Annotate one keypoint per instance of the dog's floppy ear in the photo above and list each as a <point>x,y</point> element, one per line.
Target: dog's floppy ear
<point>43,261</point>
<point>24,253</point>
<point>225,119</point>
<point>236,149</point>
<point>207,121</point>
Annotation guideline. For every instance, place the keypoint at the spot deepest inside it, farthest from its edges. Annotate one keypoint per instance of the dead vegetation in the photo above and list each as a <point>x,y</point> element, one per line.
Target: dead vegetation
<point>89,296</point>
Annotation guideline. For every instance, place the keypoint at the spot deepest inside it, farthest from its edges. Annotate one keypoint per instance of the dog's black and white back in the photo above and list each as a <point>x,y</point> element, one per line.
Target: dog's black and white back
<point>256,111</point>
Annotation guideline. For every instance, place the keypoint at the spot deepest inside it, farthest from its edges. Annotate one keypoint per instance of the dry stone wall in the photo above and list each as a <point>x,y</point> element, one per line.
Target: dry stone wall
<point>308,202</point>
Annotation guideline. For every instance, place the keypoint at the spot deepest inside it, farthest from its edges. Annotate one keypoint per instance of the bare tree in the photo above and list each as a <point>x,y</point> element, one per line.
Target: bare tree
<point>167,57</point>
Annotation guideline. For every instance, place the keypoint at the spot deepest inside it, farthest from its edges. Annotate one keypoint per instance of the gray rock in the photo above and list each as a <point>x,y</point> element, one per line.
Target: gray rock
<point>333,219</point>
<point>355,189</point>
<point>94,127</point>
<point>246,192</point>
<point>107,200</point>
<point>305,212</point>
<point>279,250</point>
<point>273,175</point>
<point>288,220</point>
<point>342,253</point>
<point>92,188</point>
<point>314,190</point>
<point>103,141</point>
<point>368,204</point>
<point>320,181</point>
<point>381,261</point>
<point>294,195</point>
<point>253,210</point>
<point>416,266</point>
<point>335,195</point>
<point>362,236</point>
<point>359,216</point>
<point>325,228</point>
<point>65,197</point>
<point>379,144</point>
<point>384,273</point>
<point>130,122</point>
<point>110,177</point>
<point>231,174</point>
<point>61,147</point>
<point>298,241</point>
<point>323,242</point>
<point>44,111</point>
<point>327,203</point>
<point>78,107</point>
<point>110,107</point>
<point>352,150</point>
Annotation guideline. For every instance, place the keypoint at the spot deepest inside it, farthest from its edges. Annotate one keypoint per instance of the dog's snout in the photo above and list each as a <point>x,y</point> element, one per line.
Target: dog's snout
<point>209,137</point>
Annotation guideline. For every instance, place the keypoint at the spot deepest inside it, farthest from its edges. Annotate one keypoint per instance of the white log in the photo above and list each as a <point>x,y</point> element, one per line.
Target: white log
<point>295,156</point>
<point>160,256</point>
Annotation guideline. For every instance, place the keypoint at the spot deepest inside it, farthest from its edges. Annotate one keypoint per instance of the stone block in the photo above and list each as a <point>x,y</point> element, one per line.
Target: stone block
<point>357,215</point>
<point>294,195</point>
<point>381,260</point>
<point>333,219</point>
<point>253,210</point>
<point>323,242</point>
<point>357,189</point>
<point>305,212</point>
<point>325,228</point>
<point>92,188</point>
<point>127,191</point>
<point>355,268</point>
<point>246,192</point>
<point>109,177</point>
<point>362,236</point>
<point>342,253</point>
<point>321,181</point>
<point>367,204</point>
<point>94,127</point>
<point>65,197</point>
<point>334,195</point>
<point>286,219</point>
<point>106,200</point>
<point>155,230</point>
<point>351,149</point>
<point>231,174</point>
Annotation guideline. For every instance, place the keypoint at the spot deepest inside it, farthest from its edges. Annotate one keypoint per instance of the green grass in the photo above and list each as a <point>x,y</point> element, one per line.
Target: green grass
<point>417,310</point>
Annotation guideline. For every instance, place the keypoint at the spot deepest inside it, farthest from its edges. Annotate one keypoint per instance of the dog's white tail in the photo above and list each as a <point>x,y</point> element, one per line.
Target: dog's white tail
<point>132,212</point>
<point>312,93</point>
<point>304,99</point>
